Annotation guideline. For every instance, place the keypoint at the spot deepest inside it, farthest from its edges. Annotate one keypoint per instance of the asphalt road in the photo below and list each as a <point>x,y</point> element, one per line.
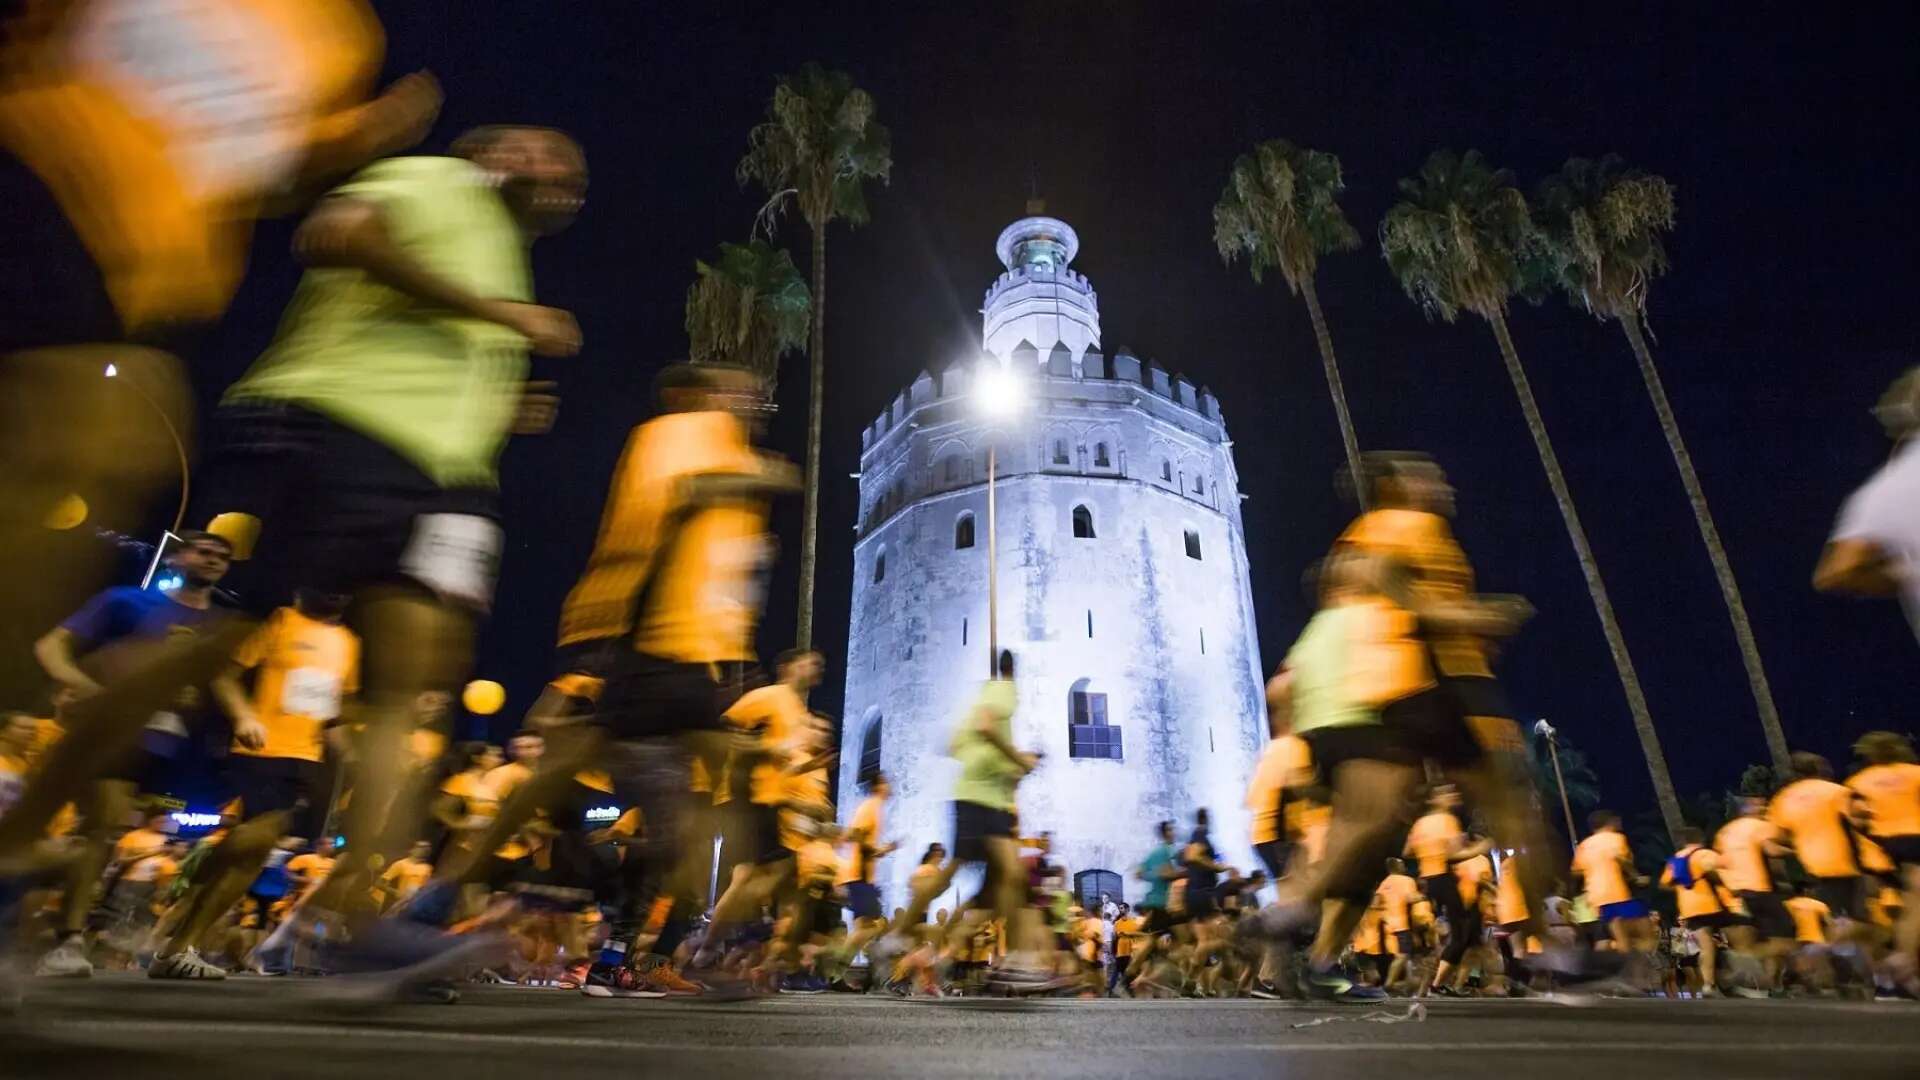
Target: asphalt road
<point>247,1027</point>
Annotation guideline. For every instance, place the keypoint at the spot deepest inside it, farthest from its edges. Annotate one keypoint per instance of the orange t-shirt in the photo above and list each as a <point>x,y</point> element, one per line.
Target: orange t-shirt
<point>1471,874</point>
<point>1424,544</point>
<point>1510,902</point>
<point>1699,898</point>
<point>1893,798</point>
<point>1810,919</point>
<point>1398,894</point>
<point>1598,860</point>
<point>1814,813</point>
<point>1742,844</point>
<point>1432,840</point>
<point>161,128</point>
<point>303,669</point>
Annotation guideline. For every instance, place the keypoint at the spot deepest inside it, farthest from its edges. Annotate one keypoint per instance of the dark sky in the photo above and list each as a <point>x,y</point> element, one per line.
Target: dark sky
<point>1788,132</point>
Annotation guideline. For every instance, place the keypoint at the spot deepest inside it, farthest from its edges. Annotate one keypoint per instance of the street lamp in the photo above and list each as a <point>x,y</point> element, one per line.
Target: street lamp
<point>179,446</point>
<point>998,395</point>
<point>1546,731</point>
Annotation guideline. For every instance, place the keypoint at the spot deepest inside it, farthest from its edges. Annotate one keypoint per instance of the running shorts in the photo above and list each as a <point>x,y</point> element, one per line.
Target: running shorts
<point>827,919</point>
<point>266,785</point>
<point>1422,727</point>
<point>1715,920</point>
<point>1845,897</point>
<point>340,510</point>
<point>1903,850</point>
<point>1625,909</point>
<point>863,899</point>
<point>650,696</point>
<point>1768,913</point>
<point>1274,855</point>
<point>973,826</point>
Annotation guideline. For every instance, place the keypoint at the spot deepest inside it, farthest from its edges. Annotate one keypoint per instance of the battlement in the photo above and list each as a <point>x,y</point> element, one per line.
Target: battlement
<point>1173,399</point>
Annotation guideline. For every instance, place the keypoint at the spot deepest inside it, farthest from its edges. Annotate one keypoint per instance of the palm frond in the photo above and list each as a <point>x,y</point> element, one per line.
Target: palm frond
<point>1280,210</point>
<point>749,306</point>
<point>1460,237</point>
<point>818,145</point>
<point>1603,226</point>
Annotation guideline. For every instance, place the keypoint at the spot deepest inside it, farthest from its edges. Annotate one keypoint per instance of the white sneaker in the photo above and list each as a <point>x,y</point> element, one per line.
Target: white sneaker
<point>186,964</point>
<point>68,960</point>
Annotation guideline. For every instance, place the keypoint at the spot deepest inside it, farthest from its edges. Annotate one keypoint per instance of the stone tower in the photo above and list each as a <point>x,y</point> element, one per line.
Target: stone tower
<point>1123,586</point>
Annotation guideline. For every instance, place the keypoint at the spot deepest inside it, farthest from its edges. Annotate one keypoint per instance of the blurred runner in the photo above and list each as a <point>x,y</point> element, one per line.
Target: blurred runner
<point>365,441</point>
<point>1875,546</point>
<point>1890,786</point>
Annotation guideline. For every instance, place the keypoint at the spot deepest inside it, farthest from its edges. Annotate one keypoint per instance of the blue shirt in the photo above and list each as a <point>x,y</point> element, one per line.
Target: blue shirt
<point>127,612</point>
<point>1157,887</point>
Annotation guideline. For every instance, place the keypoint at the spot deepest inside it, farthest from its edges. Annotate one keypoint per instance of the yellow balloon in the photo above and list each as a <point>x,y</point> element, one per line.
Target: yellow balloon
<point>240,530</point>
<point>483,697</point>
<point>66,514</point>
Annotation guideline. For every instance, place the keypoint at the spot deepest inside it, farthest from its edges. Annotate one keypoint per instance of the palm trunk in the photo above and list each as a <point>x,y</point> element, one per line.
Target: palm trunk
<point>1716,552</point>
<point>1602,606</point>
<point>1339,392</point>
<point>810,512</point>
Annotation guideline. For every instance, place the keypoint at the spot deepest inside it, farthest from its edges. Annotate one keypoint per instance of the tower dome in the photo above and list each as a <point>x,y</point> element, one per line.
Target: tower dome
<point>1040,301</point>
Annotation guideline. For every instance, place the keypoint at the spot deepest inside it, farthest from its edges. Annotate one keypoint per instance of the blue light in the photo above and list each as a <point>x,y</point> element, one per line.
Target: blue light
<point>169,583</point>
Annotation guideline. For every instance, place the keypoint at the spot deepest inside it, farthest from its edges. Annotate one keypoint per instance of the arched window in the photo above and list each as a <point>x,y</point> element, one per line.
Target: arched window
<point>963,532</point>
<point>1082,522</point>
<point>1199,484</point>
<point>1193,544</point>
<point>1101,459</point>
<point>880,567</point>
<point>870,748</point>
<point>1089,735</point>
<point>1060,452</point>
<point>1166,471</point>
<point>1090,887</point>
<point>950,472</point>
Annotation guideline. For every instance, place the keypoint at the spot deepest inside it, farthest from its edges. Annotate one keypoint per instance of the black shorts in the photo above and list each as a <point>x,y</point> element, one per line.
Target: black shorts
<point>648,696</point>
<point>1413,730</point>
<point>1155,921</point>
<point>973,826</point>
<point>339,509</point>
<point>1768,913</point>
<point>1715,920</point>
<point>1201,903</point>
<point>863,899</point>
<point>1274,854</point>
<point>1903,850</point>
<point>1403,939</point>
<point>827,919</point>
<point>1845,897</point>
<point>51,290</point>
<point>760,830</point>
<point>265,785</point>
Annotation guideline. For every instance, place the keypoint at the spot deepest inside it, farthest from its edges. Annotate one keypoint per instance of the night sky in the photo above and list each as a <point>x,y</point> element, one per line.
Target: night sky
<point>1788,133</point>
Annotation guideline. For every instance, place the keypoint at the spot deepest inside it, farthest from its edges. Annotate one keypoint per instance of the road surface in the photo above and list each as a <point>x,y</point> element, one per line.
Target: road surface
<point>249,1027</point>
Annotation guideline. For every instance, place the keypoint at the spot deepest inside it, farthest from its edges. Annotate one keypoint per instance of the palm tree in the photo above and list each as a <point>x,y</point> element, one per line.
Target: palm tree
<point>1280,209</point>
<point>748,307</point>
<point>1459,239</point>
<point>817,147</point>
<point>1603,226</point>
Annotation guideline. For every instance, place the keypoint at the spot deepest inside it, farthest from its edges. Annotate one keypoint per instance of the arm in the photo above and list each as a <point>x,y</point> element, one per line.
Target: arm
<point>54,650</point>
<point>1856,567</point>
<point>400,117</point>
<point>984,727</point>
<point>350,233</point>
<point>233,698</point>
<point>774,477</point>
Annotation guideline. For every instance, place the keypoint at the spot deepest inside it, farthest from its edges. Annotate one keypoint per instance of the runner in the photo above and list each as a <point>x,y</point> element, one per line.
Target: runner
<point>1604,863</point>
<point>1472,873</point>
<point>1158,871</point>
<point>306,664</point>
<point>864,851</point>
<point>1748,846</point>
<point>1890,786</point>
<point>1876,543</point>
<point>1399,892</point>
<point>1706,904</point>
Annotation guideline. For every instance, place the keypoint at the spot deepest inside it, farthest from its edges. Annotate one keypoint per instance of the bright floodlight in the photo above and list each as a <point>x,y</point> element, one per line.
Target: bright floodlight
<point>112,371</point>
<point>998,392</point>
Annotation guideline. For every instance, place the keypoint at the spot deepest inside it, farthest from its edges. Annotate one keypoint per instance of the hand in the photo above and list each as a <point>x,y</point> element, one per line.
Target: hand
<point>1512,609</point>
<point>402,115</point>
<point>250,733</point>
<point>549,331</point>
<point>538,408</point>
<point>1029,762</point>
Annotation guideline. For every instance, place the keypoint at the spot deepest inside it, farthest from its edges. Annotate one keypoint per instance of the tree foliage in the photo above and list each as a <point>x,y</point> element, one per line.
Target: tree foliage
<point>1602,227</point>
<point>1460,238</point>
<point>749,306</point>
<point>817,147</point>
<point>1281,211</point>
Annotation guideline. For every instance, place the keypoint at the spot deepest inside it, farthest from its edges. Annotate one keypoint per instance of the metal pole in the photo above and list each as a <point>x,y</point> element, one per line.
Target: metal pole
<point>993,566</point>
<point>1553,751</point>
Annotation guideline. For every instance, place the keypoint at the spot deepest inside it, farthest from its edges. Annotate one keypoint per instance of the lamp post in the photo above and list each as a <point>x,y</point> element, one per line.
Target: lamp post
<point>179,446</point>
<point>998,395</point>
<point>1547,732</point>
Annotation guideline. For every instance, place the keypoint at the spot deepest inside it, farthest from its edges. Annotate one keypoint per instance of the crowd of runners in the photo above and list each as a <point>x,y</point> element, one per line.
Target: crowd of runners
<point>350,497</point>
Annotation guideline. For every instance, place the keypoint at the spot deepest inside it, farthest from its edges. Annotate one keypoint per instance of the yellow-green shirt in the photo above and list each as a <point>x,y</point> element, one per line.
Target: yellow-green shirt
<point>439,388</point>
<point>987,777</point>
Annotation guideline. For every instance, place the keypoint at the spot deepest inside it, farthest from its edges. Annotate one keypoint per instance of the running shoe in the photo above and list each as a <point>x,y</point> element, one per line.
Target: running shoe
<point>67,960</point>
<point>618,982</point>
<point>390,959</point>
<point>1333,986</point>
<point>803,984</point>
<point>657,973</point>
<point>1266,991</point>
<point>186,965</point>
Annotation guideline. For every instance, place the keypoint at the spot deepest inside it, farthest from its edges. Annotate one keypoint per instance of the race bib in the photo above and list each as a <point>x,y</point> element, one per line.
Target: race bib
<point>455,555</point>
<point>311,692</point>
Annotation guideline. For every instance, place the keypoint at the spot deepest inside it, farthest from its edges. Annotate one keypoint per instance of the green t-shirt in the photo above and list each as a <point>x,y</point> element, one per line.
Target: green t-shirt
<point>439,388</point>
<point>1319,661</point>
<point>986,776</point>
